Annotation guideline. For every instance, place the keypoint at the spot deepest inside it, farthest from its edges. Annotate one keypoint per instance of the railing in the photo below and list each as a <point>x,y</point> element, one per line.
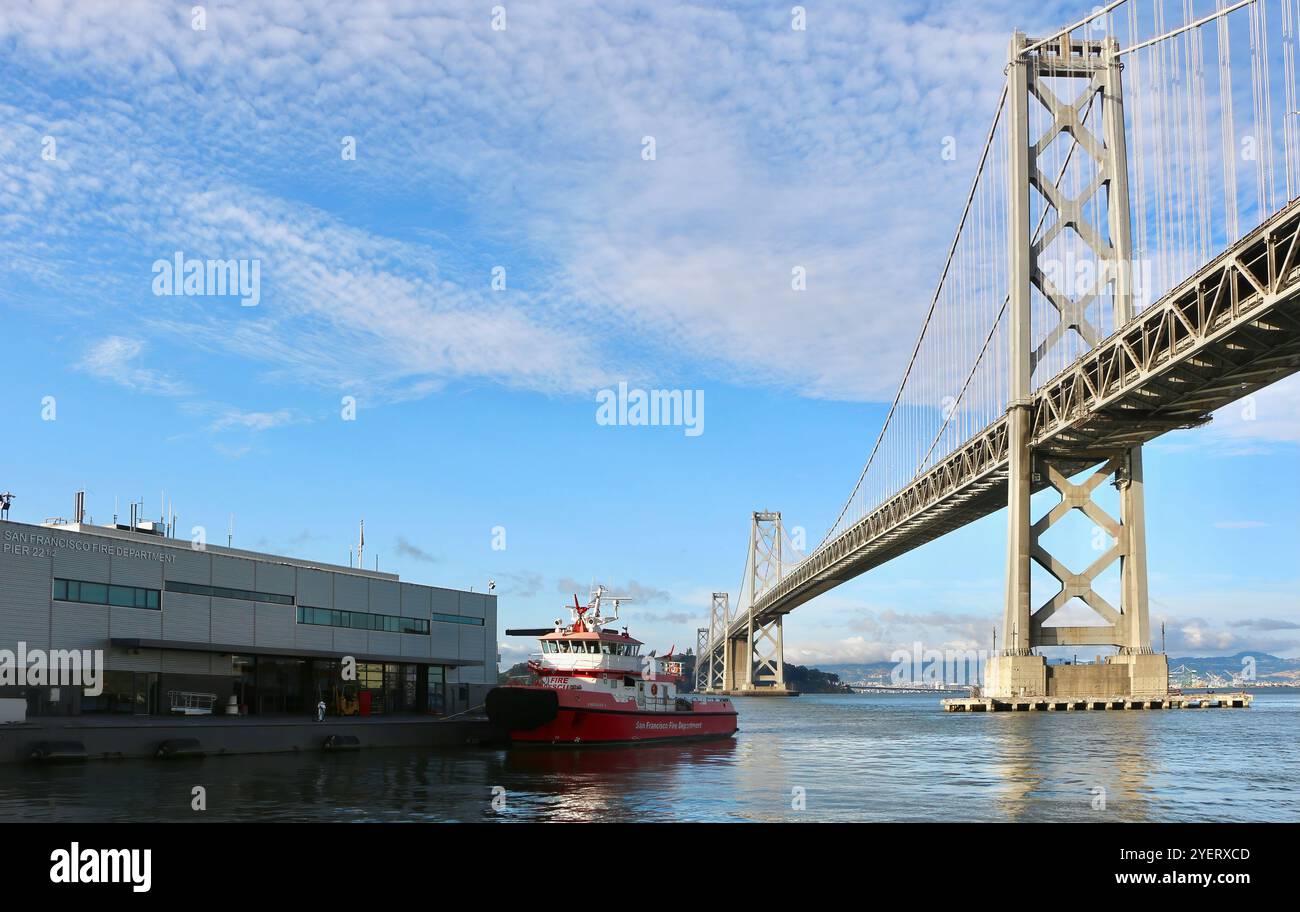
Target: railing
<point>190,703</point>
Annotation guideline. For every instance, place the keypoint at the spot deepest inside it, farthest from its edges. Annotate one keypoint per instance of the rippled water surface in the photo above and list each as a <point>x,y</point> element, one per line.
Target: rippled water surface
<point>850,757</point>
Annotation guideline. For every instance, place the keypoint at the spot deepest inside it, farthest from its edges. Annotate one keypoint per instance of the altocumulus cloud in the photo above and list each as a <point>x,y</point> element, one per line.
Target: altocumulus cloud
<point>775,149</point>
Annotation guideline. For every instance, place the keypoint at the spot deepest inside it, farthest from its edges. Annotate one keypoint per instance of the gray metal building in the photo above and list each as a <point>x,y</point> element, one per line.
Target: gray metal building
<point>271,632</point>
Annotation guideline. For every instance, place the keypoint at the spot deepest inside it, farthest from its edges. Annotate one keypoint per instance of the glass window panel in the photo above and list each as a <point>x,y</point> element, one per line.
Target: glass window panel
<point>94,593</point>
<point>61,590</point>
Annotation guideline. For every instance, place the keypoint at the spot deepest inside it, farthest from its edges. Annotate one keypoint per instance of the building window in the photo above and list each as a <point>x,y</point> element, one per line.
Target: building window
<point>457,619</point>
<point>103,594</point>
<point>247,595</point>
<point>361,620</point>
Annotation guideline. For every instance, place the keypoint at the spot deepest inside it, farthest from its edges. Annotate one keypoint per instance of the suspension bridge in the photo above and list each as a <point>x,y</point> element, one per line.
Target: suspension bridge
<point>1126,262</point>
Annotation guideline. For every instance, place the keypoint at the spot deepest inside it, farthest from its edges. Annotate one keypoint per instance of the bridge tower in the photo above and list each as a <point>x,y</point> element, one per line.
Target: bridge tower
<point>1017,671</point>
<point>711,664</point>
<point>765,646</point>
<point>701,682</point>
<point>745,651</point>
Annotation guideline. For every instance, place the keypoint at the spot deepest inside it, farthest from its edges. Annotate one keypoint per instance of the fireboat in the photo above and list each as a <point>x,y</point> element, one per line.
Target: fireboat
<point>593,686</point>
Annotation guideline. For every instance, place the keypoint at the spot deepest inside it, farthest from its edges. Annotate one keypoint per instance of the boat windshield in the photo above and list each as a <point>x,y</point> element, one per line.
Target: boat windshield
<point>589,647</point>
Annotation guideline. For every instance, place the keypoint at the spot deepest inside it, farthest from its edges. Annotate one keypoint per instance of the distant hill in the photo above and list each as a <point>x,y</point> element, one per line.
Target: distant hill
<point>514,671</point>
<point>860,670</point>
<point>1266,665</point>
<point>813,680</point>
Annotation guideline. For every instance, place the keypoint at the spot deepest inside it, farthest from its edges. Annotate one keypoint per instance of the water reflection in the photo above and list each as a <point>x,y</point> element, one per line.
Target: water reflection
<point>857,758</point>
<point>643,784</point>
<point>1080,767</point>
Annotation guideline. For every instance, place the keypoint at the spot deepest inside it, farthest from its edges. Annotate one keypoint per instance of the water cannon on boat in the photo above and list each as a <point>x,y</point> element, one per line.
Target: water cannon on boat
<point>595,603</point>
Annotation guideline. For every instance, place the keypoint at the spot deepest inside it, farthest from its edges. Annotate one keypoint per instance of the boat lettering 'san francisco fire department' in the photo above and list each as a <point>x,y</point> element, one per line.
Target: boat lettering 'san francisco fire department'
<point>593,686</point>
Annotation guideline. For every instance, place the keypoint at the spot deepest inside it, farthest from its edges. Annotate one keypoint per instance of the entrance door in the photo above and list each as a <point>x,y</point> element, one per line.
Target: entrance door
<point>144,700</point>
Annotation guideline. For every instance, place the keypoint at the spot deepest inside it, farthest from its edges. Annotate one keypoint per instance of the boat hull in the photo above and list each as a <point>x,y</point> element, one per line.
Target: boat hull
<point>581,718</point>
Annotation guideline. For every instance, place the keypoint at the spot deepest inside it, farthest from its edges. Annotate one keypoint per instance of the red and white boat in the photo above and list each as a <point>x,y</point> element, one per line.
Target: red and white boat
<point>595,687</point>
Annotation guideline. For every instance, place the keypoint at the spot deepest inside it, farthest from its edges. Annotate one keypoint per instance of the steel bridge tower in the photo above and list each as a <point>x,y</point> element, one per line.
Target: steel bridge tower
<point>748,658</point>
<point>1017,671</point>
<point>711,657</point>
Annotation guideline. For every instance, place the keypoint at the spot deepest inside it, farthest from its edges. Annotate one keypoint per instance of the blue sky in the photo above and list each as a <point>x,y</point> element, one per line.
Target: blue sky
<point>476,407</point>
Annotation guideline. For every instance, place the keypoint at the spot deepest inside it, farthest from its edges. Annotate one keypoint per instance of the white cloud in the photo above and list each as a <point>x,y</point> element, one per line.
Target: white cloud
<point>116,359</point>
<point>776,149</point>
<point>233,418</point>
<point>1271,415</point>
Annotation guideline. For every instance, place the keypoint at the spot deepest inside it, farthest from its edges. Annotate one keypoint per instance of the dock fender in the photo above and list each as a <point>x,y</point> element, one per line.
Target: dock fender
<point>521,708</point>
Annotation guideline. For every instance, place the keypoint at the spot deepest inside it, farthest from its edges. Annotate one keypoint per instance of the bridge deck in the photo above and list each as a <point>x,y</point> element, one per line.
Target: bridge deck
<point>1229,330</point>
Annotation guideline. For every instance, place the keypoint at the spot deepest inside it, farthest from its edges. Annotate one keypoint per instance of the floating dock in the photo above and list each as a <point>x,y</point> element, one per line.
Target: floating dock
<point>1078,704</point>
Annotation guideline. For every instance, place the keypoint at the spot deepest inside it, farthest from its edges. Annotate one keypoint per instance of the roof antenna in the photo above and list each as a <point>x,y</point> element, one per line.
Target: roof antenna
<point>230,534</point>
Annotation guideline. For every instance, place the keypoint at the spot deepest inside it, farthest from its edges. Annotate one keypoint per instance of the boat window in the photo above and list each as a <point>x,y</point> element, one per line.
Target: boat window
<point>593,646</point>
<point>564,645</point>
<point>604,648</point>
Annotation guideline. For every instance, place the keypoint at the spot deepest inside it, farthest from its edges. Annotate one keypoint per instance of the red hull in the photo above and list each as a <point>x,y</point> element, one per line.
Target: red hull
<point>584,726</point>
<point>585,718</point>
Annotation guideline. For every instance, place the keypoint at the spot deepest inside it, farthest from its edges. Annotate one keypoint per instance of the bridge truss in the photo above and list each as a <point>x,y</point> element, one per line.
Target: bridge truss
<point>1024,377</point>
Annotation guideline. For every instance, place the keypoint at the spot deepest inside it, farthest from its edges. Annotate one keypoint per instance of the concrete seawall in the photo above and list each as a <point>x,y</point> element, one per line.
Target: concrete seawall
<point>113,738</point>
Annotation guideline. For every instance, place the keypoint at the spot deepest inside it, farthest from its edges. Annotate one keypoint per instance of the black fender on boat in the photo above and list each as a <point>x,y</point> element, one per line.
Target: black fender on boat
<point>521,708</point>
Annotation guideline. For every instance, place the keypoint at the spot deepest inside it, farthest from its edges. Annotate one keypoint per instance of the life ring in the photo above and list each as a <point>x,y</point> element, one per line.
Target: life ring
<point>654,689</point>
